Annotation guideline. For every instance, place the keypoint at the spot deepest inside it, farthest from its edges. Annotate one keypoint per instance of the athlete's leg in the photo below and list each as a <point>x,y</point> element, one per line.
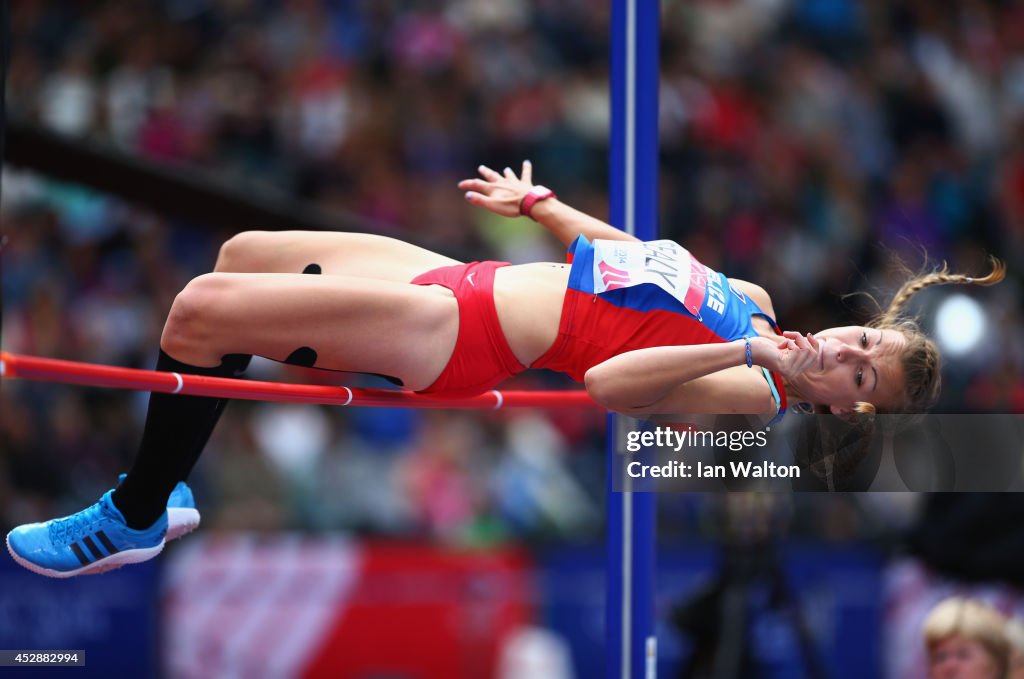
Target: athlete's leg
<point>351,323</point>
<point>330,253</point>
<point>190,421</point>
<point>335,322</point>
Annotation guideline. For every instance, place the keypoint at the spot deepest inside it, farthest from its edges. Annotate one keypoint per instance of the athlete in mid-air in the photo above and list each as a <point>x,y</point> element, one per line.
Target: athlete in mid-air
<point>645,326</point>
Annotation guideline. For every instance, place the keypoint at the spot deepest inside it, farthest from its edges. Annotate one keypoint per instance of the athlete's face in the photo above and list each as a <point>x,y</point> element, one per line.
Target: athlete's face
<point>958,657</point>
<point>855,364</point>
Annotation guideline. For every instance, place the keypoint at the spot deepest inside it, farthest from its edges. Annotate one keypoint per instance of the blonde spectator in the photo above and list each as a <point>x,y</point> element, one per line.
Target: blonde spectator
<point>966,639</point>
<point>1015,635</point>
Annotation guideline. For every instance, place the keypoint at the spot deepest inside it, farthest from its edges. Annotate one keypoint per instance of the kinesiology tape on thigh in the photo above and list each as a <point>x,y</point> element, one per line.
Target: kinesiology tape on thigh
<point>306,357</point>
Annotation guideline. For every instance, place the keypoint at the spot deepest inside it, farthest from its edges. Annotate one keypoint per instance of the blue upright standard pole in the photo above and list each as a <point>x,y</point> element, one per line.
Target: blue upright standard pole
<point>634,209</point>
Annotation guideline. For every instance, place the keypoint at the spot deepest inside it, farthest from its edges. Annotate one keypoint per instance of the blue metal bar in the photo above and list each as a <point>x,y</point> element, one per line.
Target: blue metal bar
<point>633,156</point>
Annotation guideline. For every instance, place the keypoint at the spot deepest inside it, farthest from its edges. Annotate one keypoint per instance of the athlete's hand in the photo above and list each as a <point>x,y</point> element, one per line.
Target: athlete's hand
<point>499,193</point>
<point>788,355</point>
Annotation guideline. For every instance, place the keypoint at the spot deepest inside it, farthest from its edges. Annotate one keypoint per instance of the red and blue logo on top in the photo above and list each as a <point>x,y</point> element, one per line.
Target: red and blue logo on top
<point>634,295</point>
<point>662,275</point>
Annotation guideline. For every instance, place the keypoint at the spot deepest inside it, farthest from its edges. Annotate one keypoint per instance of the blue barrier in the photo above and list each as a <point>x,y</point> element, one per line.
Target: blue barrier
<point>113,617</point>
<point>839,591</point>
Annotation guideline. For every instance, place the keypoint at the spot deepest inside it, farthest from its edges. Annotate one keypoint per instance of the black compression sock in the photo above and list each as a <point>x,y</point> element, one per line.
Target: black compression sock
<point>176,431</point>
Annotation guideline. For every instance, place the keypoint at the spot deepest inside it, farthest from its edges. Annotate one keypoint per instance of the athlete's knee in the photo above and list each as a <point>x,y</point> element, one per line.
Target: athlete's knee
<point>245,251</point>
<point>193,318</point>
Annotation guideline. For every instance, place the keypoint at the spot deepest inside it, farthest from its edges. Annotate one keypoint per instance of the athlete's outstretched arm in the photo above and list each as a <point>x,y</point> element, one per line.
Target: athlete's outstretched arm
<point>503,193</point>
<point>701,378</point>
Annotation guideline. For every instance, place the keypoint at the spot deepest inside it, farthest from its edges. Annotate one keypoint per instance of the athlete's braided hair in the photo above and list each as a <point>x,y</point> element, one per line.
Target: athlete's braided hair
<point>921,360</point>
<point>837,450</point>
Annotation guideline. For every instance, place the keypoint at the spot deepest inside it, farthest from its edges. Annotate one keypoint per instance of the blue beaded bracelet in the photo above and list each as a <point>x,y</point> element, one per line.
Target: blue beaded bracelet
<point>750,356</point>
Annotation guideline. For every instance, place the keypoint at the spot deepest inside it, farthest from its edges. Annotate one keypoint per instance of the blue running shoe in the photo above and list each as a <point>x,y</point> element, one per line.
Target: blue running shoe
<point>92,541</point>
<point>182,515</point>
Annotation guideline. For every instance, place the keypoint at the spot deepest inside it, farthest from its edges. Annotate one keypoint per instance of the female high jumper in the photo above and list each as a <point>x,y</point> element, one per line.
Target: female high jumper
<point>645,326</point>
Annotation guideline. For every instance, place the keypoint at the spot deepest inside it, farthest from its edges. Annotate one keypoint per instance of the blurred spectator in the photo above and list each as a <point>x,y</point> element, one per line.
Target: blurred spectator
<point>1015,635</point>
<point>966,639</point>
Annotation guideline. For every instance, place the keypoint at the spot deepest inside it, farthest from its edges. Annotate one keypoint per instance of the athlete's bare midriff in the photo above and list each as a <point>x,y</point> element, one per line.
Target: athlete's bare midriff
<point>528,298</point>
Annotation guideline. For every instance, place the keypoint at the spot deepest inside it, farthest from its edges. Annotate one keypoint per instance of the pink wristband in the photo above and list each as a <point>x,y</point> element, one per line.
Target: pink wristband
<point>534,196</point>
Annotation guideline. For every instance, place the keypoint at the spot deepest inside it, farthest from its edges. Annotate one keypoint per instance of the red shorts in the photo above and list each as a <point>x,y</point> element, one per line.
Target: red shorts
<point>482,357</point>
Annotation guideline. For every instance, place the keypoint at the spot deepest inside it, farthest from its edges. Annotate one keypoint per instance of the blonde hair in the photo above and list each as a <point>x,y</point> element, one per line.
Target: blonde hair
<point>972,620</point>
<point>920,360</point>
<point>838,449</point>
<point>1015,634</point>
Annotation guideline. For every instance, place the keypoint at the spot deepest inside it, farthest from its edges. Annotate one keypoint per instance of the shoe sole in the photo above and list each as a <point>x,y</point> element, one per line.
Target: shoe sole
<point>103,565</point>
<point>181,521</point>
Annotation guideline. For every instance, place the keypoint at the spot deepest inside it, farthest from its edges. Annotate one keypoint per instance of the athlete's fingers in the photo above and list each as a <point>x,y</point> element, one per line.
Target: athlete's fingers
<point>509,174</point>
<point>495,205</point>
<point>480,200</point>
<point>527,173</point>
<point>478,185</point>
<point>488,174</point>
<point>801,357</point>
<point>799,340</point>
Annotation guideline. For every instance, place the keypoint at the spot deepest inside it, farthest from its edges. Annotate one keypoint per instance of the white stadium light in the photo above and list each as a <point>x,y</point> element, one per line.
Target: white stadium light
<point>959,325</point>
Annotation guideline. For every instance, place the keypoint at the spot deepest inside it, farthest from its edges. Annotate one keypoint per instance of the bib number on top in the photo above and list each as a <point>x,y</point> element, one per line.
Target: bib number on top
<point>664,263</point>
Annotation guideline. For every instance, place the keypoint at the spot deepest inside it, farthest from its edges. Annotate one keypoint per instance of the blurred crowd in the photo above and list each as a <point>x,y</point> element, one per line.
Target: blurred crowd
<point>803,143</point>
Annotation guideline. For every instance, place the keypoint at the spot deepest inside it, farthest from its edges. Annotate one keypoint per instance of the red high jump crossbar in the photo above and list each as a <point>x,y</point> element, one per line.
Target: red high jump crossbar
<point>73,372</point>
